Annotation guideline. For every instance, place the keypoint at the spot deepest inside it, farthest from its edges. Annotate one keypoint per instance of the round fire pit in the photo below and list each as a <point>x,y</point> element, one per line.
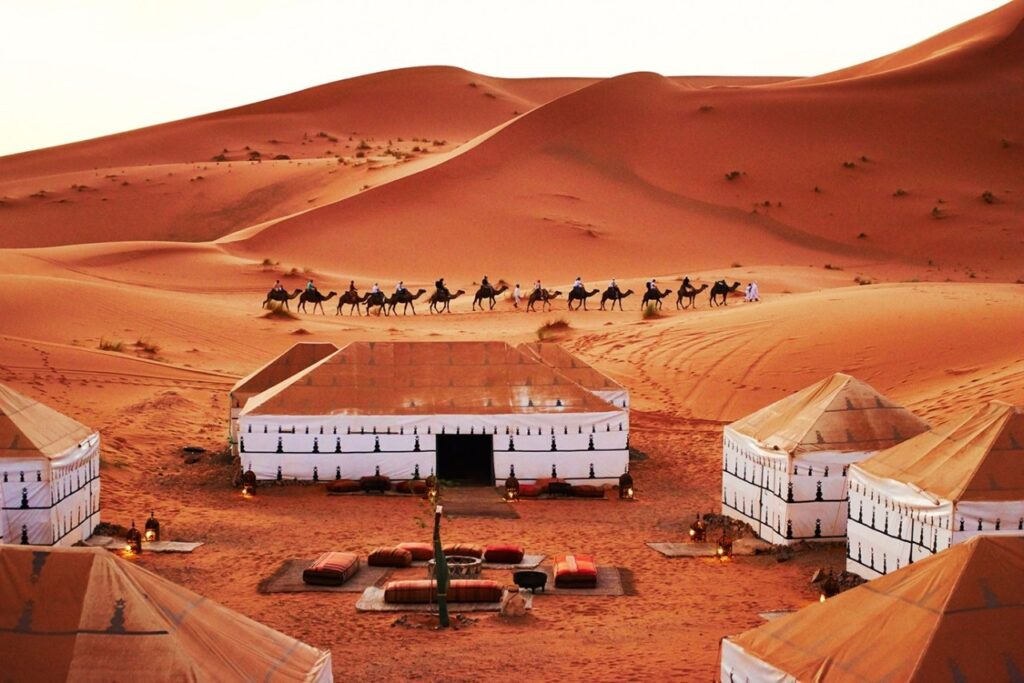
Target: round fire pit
<point>459,567</point>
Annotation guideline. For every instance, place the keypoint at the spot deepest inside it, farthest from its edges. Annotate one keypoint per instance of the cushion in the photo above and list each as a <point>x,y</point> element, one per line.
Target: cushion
<point>389,557</point>
<point>467,549</point>
<point>420,551</point>
<point>588,491</point>
<point>377,482</point>
<point>575,571</point>
<point>343,486</point>
<point>529,491</point>
<point>425,591</point>
<point>504,553</point>
<point>416,486</point>
<point>331,569</point>
<point>542,483</point>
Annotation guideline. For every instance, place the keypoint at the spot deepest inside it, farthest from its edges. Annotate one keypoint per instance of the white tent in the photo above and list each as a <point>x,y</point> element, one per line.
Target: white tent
<point>784,467</point>
<point>49,474</point>
<point>298,357</point>
<point>955,617</point>
<point>585,375</point>
<point>938,489</point>
<point>467,410</point>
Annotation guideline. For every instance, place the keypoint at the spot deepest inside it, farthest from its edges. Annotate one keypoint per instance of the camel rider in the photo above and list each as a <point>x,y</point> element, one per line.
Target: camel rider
<point>351,285</point>
<point>613,287</point>
<point>442,290</point>
<point>578,284</point>
<point>400,287</point>
<point>310,287</point>
<point>652,284</point>
<point>536,286</point>
<point>375,289</point>
<point>517,295</point>
<point>486,284</point>
<point>278,287</point>
<point>687,287</point>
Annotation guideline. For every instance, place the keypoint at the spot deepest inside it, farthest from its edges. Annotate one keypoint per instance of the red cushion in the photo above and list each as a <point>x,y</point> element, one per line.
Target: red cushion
<point>389,557</point>
<point>466,549</point>
<point>542,483</point>
<point>377,482</point>
<point>588,491</point>
<point>413,486</point>
<point>529,491</point>
<point>331,569</point>
<point>505,553</point>
<point>575,571</point>
<point>425,591</point>
<point>343,486</point>
<point>420,551</point>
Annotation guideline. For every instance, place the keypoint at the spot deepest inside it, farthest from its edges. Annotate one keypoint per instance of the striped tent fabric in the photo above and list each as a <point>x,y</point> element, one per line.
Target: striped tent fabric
<point>575,571</point>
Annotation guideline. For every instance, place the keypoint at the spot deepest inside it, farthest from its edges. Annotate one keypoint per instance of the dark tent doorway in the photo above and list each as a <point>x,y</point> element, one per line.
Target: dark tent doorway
<point>466,458</point>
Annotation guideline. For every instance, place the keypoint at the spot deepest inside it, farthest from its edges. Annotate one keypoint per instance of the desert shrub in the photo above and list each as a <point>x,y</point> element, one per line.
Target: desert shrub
<point>900,193</point>
<point>737,264</point>
<point>146,346</point>
<point>440,143</point>
<point>861,280</point>
<point>107,345</point>
<point>829,266</point>
<point>936,212</point>
<point>552,328</point>
<point>733,175</point>
<point>279,312</point>
<point>705,108</point>
<point>360,155</point>
<point>363,145</point>
<point>255,154</point>
<point>864,158</point>
<point>817,189</point>
<point>282,157</point>
<point>849,164</point>
<point>862,235</point>
<point>988,197</point>
<point>220,157</point>
<point>650,311</point>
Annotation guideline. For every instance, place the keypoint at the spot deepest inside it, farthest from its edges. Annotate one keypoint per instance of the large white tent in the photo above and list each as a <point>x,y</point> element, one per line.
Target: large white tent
<point>964,478</point>
<point>84,614</point>
<point>954,617</point>
<point>584,374</point>
<point>298,357</point>
<point>466,410</point>
<point>49,474</point>
<point>784,467</point>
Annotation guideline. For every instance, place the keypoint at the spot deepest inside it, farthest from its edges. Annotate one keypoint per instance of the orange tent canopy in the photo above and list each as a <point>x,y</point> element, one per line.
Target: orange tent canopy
<point>569,365</point>
<point>29,429</point>
<point>297,358</point>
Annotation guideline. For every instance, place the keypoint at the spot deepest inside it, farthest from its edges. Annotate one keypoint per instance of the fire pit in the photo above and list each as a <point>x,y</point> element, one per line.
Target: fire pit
<point>530,579</point>
<point>459,567</point>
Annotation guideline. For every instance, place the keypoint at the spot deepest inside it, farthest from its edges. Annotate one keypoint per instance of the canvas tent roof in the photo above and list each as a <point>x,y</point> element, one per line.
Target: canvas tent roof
<point>85,614</point>
<point>297,358</point>
<point>839,413</point>
<point>910,625</point>
<point>29,429</point>
<point>572,367</point>
<point>413,378</point>
<point>979,457</point>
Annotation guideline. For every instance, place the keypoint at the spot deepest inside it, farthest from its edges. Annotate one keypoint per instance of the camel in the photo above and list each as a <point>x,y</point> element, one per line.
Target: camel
<point>375,299</point>
<point>352,298</point>
<point>581,295</point>
<point>404,297</point>
<point>543,296</point>
<point>441,303</point>
<point>487,293</point>
<point>690,295</point>
<point>615,297</point>
<point>317,298</point>
<point>722,289</point>
<point>655,295</point>
<point>280,295</point>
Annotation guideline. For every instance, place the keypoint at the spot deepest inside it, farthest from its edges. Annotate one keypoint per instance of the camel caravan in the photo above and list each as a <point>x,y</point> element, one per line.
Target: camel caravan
<point>486,297</point>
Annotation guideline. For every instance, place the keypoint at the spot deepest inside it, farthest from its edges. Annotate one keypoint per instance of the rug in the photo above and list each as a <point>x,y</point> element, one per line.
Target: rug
<point>288,579</point>
<point>686,549</point>
<point>372,600</point>
<point>170,546</point>
<point>770,616</point>
<point>609,582</point>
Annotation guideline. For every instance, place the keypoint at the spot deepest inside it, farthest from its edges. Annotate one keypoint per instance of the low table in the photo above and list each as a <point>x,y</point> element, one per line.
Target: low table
<point>459,567</point>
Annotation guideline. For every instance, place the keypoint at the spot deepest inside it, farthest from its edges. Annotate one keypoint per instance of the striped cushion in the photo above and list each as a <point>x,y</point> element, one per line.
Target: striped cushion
<point>343,486</point>
<point>425,591</point>
<point>588,491</point>
<point>505,553</point>
<point>420,551</point>
<point>389,557</point>
<point>466,549</point>
<point>331,569</point>
<point>575,571</point>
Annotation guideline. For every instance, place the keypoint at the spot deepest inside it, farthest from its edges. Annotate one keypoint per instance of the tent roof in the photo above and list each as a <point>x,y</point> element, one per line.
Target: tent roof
<point>86,614</point>
<point>295,359</point>
<point>426,378</point>
<point>569,365</point>
<point>978,457</point>
<point>28,429</point>
<point>839,413</point>
<point>910,625</point>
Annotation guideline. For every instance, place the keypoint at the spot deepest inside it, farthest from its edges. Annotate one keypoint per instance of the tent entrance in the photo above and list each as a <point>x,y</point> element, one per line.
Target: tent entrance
<point>466,458</point>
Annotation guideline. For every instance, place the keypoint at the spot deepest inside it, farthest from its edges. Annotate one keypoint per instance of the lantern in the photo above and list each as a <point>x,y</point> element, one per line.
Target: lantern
<point>152,533</point>
<point>431,482</point>
<point>133,541</point>
<point>724,546</point>
<point>830,587</point>
<point>698,530</point>
<point>249,483</point>
<point>511,485</point>
<point>626,485</point>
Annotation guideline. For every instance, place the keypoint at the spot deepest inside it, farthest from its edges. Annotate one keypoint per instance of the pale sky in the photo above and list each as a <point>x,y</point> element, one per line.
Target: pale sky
<point>76,69</point>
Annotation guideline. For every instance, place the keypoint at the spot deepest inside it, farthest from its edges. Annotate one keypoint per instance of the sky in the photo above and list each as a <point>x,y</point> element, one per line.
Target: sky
<point>77,69</point>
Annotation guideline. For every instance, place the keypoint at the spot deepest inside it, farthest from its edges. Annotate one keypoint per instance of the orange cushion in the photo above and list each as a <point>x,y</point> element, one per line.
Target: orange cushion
<point>588,491</point>
<point>412,486</point>
<point>425,591</point>
<point>505,553</point>
<point>331,569</point>
<point>466,549</point>
<point>420,551</point>
<point>389,557</point>
<point>575,571</point>
<point>343,486</point>
<point>529,491</point>
<point>542,483</point>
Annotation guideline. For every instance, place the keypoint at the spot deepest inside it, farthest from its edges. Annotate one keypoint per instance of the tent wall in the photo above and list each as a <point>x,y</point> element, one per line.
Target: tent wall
<point>785,500</point>
<point>739,666</point>
<point>350,447</point>
<point>54,502</point>
<point>892,524</point>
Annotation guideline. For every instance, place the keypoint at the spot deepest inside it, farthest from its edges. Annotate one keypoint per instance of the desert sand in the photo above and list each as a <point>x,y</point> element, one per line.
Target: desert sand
<point>878,208</point>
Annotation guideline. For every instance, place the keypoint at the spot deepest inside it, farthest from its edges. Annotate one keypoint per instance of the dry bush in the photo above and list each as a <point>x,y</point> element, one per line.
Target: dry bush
<point>650,311</point>
<point>553,328</point>
<point>107,345</point>
<point>279,312</point>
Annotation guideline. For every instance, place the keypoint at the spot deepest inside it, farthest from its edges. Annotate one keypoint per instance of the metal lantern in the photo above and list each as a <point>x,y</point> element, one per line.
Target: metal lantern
<point>431,482</point>
<point>133,541</point>
<point>249,482</point>
<point>698,530</point>
<point>626,485</point>
<point>152,533</point>
<point>511,485</point>
<point>830,587</point>
<point>724,546</point>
